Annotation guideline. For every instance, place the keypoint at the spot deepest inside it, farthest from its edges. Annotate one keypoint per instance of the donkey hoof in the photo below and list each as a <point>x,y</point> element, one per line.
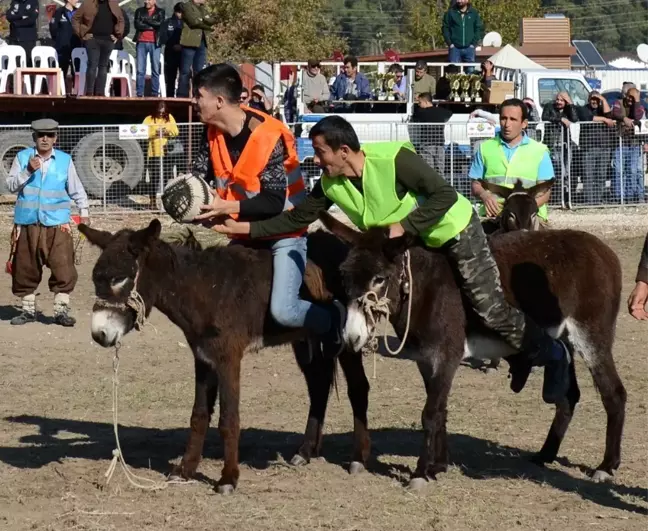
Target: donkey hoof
<point>298,460</point>
<point>601,476</point>
<point>417,484</point>
<point>225,489</point>
<point>356,467</point>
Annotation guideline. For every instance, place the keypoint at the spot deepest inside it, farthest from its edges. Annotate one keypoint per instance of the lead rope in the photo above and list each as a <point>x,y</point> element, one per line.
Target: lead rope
<point>372,304</point>
<point>136,302</point>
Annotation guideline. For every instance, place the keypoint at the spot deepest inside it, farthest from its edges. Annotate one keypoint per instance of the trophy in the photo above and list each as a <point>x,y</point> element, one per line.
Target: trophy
<point>455,86</point>
<point>465,85</point>
<point>476,85</point>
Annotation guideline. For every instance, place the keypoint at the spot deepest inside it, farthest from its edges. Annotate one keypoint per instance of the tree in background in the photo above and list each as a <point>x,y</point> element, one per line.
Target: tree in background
<point>424,18</point>
<point>271,30</point>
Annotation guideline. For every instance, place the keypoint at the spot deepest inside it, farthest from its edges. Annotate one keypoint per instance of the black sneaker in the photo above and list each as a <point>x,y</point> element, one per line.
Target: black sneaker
<point>332,342</point>
<point>62,317</point>
<point>23,318</point>
<point>556,376</point>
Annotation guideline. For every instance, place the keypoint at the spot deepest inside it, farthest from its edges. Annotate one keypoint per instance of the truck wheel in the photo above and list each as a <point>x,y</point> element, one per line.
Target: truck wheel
<point>124,163</point>
<point>11,142</point>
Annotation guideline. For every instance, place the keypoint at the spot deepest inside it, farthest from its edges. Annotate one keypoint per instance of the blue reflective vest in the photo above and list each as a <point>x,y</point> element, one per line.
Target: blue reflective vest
<point>46,202</point>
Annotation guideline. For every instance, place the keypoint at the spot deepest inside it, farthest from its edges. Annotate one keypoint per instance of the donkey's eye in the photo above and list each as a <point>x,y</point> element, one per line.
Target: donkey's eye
<point>118,282</point>
<point>512,216</point>
<point>379,280</point>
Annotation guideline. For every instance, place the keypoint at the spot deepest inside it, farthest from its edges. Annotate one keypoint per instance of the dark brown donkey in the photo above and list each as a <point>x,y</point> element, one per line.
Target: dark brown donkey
<point>568,281</point>
<point>219,298</point>
<point>520,210</point>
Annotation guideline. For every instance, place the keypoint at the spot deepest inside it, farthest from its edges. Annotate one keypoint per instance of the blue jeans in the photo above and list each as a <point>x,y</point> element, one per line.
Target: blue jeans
<point>633,181</point>
<point>191,59</point>
<point>143,50</point>
<point>462,55</point>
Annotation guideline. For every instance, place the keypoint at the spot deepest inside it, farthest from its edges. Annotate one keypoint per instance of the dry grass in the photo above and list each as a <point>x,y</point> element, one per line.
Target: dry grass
<point>56,436</point>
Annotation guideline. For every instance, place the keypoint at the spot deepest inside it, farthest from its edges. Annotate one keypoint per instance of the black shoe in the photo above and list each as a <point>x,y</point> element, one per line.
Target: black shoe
<point>332,342</point>
<point>63,318</point>
<point>556,376</point>
<point>519,369</point>
<point>23,318</point>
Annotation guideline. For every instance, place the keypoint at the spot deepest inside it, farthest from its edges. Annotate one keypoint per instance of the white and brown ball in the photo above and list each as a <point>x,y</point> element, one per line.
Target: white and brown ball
<point>183,197</point>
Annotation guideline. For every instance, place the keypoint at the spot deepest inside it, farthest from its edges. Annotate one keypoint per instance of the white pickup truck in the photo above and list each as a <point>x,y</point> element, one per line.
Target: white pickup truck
<point>541,85</point>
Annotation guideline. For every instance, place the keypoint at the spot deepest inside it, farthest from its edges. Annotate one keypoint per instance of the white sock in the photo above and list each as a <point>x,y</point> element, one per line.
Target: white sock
<point>29,303</point>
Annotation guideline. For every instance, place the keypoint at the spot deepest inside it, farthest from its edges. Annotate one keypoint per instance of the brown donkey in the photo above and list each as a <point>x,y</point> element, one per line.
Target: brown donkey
<point>219,298</point>
<point>520,210</point>
<point>568,281</point>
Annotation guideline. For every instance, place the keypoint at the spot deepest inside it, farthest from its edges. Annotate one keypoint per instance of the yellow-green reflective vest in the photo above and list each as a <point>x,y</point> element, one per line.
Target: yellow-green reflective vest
<point>378,204</point>
<point>523,166</point>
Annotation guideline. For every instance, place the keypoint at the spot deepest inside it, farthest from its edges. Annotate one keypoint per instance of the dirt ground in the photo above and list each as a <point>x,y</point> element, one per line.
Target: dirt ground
<point>56,436</point>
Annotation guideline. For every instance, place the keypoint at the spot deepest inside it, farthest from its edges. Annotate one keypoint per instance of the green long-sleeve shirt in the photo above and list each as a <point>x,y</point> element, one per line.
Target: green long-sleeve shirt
<point>412,174</point>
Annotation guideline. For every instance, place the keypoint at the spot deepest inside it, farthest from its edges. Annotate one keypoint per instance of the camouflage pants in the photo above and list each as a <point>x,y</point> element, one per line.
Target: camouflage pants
<point>473,260</point>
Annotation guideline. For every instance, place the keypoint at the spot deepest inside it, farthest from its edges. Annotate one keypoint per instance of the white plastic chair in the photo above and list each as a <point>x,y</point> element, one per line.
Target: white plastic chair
<point>120,64</point>
<point>46,57</point>
<point>11,58</point>
<point>80,62</point>
<point>149,73</point>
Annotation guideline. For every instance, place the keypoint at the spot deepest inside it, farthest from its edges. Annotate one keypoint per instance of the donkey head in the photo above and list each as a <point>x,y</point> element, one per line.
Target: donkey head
<point>375,264</point>
<point>123,295</point>
<point>520,210</point>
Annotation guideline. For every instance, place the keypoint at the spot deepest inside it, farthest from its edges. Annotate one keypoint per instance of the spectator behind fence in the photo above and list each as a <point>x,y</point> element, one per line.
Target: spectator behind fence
<point>315,89</point>
<point>443,89</point>
<point>423,82</point>
<point>399,88</point>
<point>65,40</point>
<point>171,30</point>
<point>162,127</point>
<point>259,100</point>
<point>193,41</point>
<point>244,99</point>
<point>148,21</point>
<point>428,136</point>
<point>628,163</point>
<point>351,84</point>
<point>99,24</point>
<point>597,140</point>
<point>560,114</point>
<point>462,30</point>
<point>22,16</point>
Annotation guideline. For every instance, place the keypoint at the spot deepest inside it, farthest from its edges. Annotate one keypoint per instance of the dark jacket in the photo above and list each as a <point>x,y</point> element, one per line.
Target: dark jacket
<point>462,31</point>
<point>195,23</point>
<point>22,16</point>
<point>144,22</point>
<point>555,130</point>
<point>170,34</point>
<point>119,45</point>
<point>85,15</point>
<point>60,28</point>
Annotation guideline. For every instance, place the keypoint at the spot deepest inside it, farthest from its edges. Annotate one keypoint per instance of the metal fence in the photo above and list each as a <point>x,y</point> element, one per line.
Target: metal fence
<point>126,167</point>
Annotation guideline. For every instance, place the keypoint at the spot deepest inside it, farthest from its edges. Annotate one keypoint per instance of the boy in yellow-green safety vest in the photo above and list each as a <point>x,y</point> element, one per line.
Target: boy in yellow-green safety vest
<point>387,184</point>
<point>509,157</point>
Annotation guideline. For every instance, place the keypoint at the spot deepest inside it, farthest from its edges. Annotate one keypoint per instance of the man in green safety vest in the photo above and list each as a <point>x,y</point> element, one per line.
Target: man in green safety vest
<point>509,157</point>
<point>387,184</point>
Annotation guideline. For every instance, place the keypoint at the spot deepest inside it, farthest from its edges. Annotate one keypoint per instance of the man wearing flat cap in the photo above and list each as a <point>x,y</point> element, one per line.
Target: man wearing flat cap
<point>45,181</point>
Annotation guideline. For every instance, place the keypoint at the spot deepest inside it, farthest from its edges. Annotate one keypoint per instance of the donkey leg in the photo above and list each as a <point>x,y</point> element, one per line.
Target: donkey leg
<point>229,376</point>
<point>318,372</point>
<point>358,393</point>
<point>437,386</point>
<point>564,413</point>
<point>205,398</point>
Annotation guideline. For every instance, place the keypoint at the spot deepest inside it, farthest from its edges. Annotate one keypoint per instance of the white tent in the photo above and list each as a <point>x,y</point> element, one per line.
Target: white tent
<point>509,57</point>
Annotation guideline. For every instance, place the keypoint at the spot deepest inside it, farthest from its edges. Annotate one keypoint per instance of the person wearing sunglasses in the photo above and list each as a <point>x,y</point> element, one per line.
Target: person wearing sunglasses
<point>45,181</point>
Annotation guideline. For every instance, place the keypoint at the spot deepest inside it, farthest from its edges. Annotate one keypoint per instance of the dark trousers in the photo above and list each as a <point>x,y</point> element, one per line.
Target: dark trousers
<point>598,162</point>
<point>40,246</point>
<point>65,60</point>
<point>157,175</point>
<point>192,60</point>
<point>171,69</point>
<point>99,51</point>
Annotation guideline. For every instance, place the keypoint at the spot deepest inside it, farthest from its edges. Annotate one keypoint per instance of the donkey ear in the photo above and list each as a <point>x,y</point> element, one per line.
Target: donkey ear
<point>496,189</point>
<point>342,231</point>
<point>100,238</point>
<point>541,188</point>
<point>143,239</point>
<point>394,247</point>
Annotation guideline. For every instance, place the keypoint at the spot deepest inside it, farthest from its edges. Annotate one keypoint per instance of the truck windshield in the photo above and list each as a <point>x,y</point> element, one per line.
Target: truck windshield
<point>549,87</point>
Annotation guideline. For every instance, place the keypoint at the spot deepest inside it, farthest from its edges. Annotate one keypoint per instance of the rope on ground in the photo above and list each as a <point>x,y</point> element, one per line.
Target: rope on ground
<point>373,304</point>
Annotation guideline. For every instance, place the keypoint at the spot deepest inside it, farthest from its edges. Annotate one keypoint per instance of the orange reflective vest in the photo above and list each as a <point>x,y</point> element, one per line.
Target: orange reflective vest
<point>240,182</point>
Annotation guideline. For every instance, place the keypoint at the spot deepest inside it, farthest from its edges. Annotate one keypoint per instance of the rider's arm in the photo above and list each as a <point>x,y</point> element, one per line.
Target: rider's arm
<point>293,220</point>
<point>545,173</point>
<point>476,172</point>
<point>642,272</point>
<point>436,194</point>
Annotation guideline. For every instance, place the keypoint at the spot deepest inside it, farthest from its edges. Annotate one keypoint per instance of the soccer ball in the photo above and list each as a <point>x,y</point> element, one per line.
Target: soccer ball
<point>183,197</point>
